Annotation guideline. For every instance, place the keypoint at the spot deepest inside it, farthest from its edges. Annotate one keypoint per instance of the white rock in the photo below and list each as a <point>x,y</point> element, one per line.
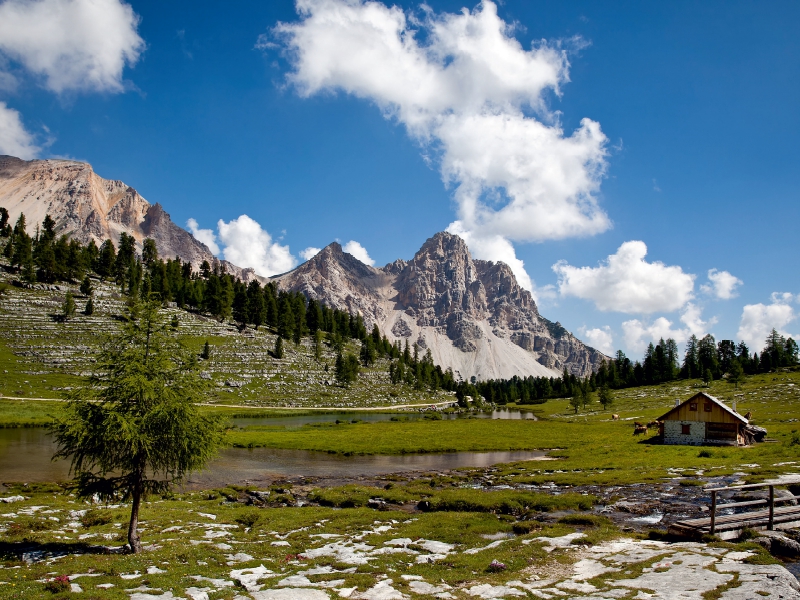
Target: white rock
<point>476,550</point>
<point>10,499</point>
<point>494,591</point>
<point>435,547</point>
<point>382,590</point>
<point>249,577</point>
<point>197,593</point>
<point>153,570</point>
<point>423,587</point>
<point>290,594</point>
<point>238,557</point>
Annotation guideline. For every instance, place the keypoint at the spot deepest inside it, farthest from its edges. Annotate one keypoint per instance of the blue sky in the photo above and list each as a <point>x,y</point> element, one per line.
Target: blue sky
<point>215,113</point>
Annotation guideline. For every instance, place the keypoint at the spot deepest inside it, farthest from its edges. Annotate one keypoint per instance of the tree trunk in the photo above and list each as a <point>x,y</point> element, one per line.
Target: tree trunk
<point>133,528</point>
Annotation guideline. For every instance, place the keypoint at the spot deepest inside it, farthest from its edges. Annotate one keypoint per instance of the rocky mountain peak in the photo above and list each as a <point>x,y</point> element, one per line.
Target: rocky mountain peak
<point>87,207</point>
<point>472,314</point>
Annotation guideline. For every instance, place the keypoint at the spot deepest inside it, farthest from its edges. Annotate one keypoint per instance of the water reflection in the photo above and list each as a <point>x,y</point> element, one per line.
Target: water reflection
<point>367,417</point>
<point>25,455</point>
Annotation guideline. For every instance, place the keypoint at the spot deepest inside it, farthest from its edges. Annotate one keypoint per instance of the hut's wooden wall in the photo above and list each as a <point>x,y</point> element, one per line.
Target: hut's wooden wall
<point>716,415</point>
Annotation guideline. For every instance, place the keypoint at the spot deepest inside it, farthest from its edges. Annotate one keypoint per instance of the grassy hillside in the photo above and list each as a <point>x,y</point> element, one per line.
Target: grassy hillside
<point>41,357</point>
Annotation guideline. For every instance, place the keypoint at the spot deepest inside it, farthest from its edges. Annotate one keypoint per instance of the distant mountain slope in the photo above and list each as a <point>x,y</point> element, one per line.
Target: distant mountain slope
<point>472,314</point>
<point>88,207</point>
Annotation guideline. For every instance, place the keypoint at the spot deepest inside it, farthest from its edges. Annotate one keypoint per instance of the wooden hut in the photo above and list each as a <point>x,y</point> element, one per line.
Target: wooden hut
<point>703,419</point>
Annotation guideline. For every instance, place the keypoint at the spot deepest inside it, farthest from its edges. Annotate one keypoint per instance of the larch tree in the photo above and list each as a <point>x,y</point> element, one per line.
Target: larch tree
<point>134,427</point>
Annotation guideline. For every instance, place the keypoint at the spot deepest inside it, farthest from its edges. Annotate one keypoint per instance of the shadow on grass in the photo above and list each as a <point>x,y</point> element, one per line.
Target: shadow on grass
<point>654,440</point>
<point>32,552</point>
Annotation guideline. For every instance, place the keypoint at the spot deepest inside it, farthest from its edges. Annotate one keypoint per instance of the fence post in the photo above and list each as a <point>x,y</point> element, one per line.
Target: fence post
<point>713,511</point>
<point>771,523</point>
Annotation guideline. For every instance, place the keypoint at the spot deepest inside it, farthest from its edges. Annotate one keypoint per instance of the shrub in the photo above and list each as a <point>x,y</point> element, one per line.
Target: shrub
<point>586,520</point>
<point>58,584</point>
<point>705,454</point>
<point>524,527</point>
<point>96,517</point>
<point>248,518</point>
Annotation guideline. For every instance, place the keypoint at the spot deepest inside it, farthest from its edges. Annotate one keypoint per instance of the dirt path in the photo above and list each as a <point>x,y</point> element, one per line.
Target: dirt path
<point>301,408</point>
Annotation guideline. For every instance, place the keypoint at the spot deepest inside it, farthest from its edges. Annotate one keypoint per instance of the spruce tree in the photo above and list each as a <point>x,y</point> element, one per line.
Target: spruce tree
<point>206,354</point>
<point>279,347</point>
<point>89,310</point>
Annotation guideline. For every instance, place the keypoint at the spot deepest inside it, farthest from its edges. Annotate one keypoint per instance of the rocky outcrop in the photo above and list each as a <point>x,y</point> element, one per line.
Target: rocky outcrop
<point>87,207</point>
<point>472,314</point>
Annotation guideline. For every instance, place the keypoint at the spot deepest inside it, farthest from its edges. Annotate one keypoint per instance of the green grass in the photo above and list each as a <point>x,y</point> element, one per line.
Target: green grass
<point>28,413</point>
<point>168,525</point>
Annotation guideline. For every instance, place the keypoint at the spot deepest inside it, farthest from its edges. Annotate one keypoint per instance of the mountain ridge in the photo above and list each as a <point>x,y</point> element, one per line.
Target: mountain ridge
<point>88,207</point>
<point>472,314</point>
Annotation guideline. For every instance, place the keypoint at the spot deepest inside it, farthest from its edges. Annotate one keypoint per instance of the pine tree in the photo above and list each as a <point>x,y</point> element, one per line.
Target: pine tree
<point>605,396</point>
<point>89,310</point>
<point>256,305</point>
<point>106,259</point>
<point>206,353</point>
<point>68,308</point>
<point>149,252</point>
<point>279,347</point>
<point>691,368</point>
<point>317,344</point>
<point>86,286</point>
<point>346,369</point>
<point>134,427</point>
<point>735,373</point>
<point>240,304</point>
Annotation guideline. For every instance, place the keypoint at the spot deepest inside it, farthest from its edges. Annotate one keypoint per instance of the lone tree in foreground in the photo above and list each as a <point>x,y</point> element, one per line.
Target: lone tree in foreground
<point>134,427</point>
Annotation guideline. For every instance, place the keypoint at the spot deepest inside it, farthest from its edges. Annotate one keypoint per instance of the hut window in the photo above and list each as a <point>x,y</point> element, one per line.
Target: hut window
<point>686,429</point>
<point>707,407</point>
<point>692,405</point>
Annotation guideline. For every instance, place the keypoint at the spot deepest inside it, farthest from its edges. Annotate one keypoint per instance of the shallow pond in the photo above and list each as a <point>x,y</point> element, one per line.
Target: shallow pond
<point>25,455</point>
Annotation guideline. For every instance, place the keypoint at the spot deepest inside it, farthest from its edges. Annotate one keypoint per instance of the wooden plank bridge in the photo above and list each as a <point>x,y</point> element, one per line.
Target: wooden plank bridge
<point>769,514</point>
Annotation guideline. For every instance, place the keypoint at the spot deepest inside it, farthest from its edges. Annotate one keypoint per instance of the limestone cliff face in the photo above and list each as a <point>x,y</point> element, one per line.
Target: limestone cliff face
<point>471,314</point>
<point>87,207</point>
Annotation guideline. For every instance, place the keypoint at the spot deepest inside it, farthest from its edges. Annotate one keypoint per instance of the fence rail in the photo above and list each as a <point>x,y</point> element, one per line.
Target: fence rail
<point>777,513</point>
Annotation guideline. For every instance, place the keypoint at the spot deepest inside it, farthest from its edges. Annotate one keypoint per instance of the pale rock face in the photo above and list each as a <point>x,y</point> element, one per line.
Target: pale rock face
<point>87,207</point>
<point>472,314</point>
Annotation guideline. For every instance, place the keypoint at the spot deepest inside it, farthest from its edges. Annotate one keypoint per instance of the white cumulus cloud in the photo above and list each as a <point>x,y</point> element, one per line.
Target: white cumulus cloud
<point>599,338</point>
<point>721,285</point>
<point>246,244</point>
<point>759,319</point>
<point>357,250</point>
<point>206,236</point>
<point>309,253</point>
<point>474,98</point>
<point>15,140</point>
<point>627,283</point>
<point>638,333</point>
<point>80,45</point>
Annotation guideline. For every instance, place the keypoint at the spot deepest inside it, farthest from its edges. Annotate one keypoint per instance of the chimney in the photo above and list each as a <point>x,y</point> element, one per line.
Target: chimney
<point>677,401</point>
<point>733,405</point>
